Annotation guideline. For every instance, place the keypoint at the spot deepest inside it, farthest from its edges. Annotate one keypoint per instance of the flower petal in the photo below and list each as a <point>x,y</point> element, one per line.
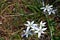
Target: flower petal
<point>44,29</point>
<point>51,6</point>
<point>36,32</point>
<point>40,27</point>
<point>53,12</point>
<point>27,29</point>
<point>32,22</point>
<point>42,32</point>
<point>44,10</point>
<point>39,34</point>
<point>28,22</point>
<point>41,22</point>
<point>44,23</point>
<point>26,35</point>
<point>49,12</point>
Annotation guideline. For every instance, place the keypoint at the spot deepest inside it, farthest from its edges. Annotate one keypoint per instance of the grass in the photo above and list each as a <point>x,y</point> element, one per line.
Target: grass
<point>14,13</point>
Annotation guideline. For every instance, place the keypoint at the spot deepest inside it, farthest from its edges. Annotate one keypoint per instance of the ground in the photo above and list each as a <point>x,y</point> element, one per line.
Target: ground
<point>14,13</point>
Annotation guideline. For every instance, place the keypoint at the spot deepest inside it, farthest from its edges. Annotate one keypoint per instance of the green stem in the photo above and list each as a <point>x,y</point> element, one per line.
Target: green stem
<point>49,27</point>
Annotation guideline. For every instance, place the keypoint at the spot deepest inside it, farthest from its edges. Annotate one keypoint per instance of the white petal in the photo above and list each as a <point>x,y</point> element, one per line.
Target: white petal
<point>36,32</point>
<point>28,22</point>
<point>42,8</point>
<point>53,12</point>
<point>26,35</point>
<point>32,22</point>
<point>51,6</point>
<point>27,29</point>
<point>32,29</point>
<point>39,34</point>
<point>48,9</point>
<point>44,23</point>
<point>35,24</point>
<point>40,27</point>
<point>41,22</point>
<point>42,32</point>
<point>44,29</point>
<point>49,13</point>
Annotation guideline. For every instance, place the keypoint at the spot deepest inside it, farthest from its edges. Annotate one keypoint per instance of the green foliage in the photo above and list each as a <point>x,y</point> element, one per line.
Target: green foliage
<point>28,10</point>
<point>57,38</point>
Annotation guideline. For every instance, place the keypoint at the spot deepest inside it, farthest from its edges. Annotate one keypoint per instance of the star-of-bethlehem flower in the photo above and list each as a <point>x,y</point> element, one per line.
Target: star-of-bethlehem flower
<point>40,30</point>
<point>34,27</point>
<point>27,33</point>
<point>49,9</point>
<point>29,25</point>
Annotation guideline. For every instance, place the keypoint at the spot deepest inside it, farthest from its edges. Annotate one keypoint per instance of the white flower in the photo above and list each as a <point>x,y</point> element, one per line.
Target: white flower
<point>33,28</point>
<point>52,11</point>
<point>30,25</point>
<point>40,29</point>
<point>47,8</point>
<point>26,33</point>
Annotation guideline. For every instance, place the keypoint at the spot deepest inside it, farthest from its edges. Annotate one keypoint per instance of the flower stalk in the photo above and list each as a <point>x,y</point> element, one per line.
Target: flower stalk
<point>50,28</point>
